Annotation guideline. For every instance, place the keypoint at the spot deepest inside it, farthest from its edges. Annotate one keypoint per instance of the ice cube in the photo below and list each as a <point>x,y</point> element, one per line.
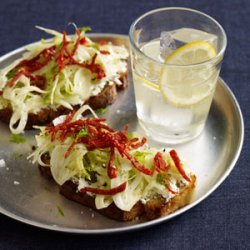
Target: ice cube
<point>187,35</point>
<point>167,45</point>
<point>151,49</point>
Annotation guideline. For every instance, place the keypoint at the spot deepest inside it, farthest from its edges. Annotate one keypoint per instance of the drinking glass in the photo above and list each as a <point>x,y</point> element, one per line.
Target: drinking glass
<point>176,56</point>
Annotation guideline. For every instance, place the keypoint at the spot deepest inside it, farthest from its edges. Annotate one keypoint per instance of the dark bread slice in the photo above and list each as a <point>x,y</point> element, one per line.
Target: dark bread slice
<point>69,190</point>
<point>154,208</point>
<point>106,97</point>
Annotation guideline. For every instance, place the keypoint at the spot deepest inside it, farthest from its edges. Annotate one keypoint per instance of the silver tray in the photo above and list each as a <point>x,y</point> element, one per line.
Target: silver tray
<point>29,198</point>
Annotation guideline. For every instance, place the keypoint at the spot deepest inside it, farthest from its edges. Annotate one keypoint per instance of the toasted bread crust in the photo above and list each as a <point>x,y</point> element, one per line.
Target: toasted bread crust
<point>69,190</point>
<point>158,207</point>
<point>107,96</point>
<point>154,208</point>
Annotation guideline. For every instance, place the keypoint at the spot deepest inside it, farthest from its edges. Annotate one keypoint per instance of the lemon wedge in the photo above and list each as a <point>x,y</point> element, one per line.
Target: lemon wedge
<point>184,80</point>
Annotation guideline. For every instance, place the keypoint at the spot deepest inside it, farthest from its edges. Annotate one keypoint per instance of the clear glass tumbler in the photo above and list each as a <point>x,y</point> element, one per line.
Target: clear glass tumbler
<point>176,56</point>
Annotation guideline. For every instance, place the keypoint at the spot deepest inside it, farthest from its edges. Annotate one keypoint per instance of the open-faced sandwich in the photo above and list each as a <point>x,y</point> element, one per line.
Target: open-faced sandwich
<point>56,76</point>
<point>111,171</point>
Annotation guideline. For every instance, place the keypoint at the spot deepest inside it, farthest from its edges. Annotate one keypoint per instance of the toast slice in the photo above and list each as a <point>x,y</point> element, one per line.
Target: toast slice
<point>57,76</point>
<point>113,172</point>
<point>154,208</point>
<point>45,116</point>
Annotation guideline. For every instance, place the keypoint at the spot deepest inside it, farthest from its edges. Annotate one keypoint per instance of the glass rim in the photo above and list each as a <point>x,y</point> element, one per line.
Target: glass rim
<point>214,59</point>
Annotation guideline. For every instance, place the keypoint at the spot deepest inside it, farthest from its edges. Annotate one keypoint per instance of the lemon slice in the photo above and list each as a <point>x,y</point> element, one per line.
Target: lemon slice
<point>184,81</point>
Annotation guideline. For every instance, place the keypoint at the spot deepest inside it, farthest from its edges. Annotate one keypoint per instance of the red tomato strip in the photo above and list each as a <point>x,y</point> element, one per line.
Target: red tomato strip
<point>70,149</point>
<point>83,41</point>
<point>171,190</point>
<point>102,42</point>
<point>112,169</point>
<point>99,135</point>
<point>39,61</point>
<point>178,164</point>
<point>160,164</point>
<point>104,52</point>
<point>137,165</point>
<point>125,129</point>
<point>139,144</point>
<point>63,57</point>
<point>111,191</point>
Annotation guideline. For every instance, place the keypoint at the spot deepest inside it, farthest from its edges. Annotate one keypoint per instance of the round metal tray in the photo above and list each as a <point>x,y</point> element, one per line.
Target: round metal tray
<point>27,197</point>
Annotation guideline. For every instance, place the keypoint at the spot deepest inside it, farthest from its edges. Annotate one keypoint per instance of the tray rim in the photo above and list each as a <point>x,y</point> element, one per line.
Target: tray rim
<point>146,224</point>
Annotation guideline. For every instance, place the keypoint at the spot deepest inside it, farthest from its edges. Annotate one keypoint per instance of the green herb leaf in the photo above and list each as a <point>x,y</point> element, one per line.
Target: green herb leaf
<point>54,70</point>
<point>11,74</point>
<point>82,133</point>
<point>18,155</point>
<point>161,178</point>
<point>85,29</point>
<point>95,46</point>
<point>60,211</point>
<point>140,156</point>
<point>17,138</point>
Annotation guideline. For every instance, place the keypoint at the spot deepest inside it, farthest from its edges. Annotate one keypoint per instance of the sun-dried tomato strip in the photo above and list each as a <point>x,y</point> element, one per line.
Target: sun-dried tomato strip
<point>95,68</point>
<point>69,117</point>
<point>139,144</point>
<point>97,123</point>
<point>84,140</point>
<point>92,66</point>
<point>67,128</point>
<point>35,80</point>
<point>97,143</point>
<point>125,130</point>
<point>68,132</point>
<point>27,67</point>
<point>168,187</point>
<point>92,130</point>
<point>178,164</point>
<point>111,191</point>
<point>63,58</point>
<point>70,149</point>
<point>89,120</point>
<point>38,81</point>
<point>53,130</point>
<point>160,163</point>
<point>137,165</point>
<point>39,61</point>
<point>135,139</point>
<point>171,190</point>
<point>65,133</point>
<point>100,136</point>
<point>104,52</point>
<point>83,41</point>
<point>112,169</point>
<point>102,42</point>
<point>112,141</point>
